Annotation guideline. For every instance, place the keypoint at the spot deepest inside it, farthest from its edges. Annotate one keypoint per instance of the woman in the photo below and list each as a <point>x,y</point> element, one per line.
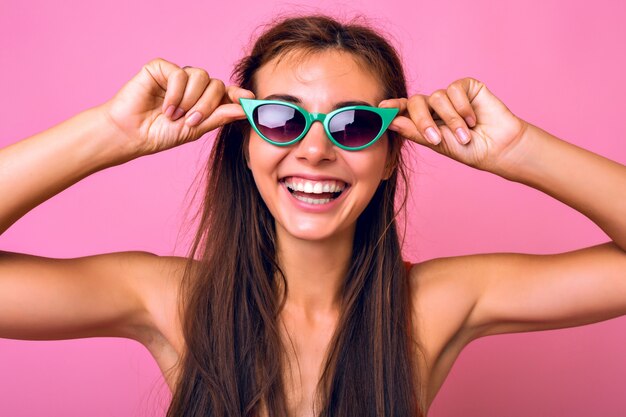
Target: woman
<point>294,299</point>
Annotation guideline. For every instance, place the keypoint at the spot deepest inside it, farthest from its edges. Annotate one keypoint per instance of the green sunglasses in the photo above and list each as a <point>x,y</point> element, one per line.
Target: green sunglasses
<point>351,128</point>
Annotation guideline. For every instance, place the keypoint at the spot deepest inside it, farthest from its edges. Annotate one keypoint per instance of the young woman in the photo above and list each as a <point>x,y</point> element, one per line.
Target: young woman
<point>294,299</point>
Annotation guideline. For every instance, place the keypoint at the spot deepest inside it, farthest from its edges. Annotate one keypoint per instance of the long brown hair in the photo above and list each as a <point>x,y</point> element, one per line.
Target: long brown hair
<point>229,302</point>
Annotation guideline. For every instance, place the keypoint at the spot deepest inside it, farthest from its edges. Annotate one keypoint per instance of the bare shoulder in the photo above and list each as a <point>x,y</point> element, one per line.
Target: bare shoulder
<point>459,299</point>
<point>119,294</point>
<point>443,295</point>
<point>471,296</point>
<point>159,290</point>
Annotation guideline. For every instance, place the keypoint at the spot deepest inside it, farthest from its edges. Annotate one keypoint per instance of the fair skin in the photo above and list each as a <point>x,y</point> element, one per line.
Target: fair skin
<point>133,294</point>
<point>315,247</point>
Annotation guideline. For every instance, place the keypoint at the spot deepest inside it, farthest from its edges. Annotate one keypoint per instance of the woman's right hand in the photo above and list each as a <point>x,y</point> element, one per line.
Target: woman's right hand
<point>154,111</point>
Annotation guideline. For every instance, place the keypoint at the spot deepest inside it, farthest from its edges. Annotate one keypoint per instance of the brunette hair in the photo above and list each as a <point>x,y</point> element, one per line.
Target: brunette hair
<point>234,357</point>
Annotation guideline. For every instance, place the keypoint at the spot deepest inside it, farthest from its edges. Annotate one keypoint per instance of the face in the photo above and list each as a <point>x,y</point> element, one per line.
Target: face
<point>313,188</point>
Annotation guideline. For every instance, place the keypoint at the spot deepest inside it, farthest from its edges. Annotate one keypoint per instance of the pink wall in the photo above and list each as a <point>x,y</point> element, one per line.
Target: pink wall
<point>559,65</point>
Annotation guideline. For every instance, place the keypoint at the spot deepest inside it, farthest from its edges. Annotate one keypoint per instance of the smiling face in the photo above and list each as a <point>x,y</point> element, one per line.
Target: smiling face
<point>319,82</point>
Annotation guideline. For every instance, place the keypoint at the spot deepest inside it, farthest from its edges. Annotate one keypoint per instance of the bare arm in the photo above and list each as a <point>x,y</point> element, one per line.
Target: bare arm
<point>514,292</point>
<point>93,296</point>
<point>509,292</point>
<point>114,294</point>
<point>43,165</point>
<point>122,294</point>
<point>494,293</point>
<point>589,183</point>
<point>521,292</point>
<point>539,292</point>
<point>131,124</point>
<point>43,298</point>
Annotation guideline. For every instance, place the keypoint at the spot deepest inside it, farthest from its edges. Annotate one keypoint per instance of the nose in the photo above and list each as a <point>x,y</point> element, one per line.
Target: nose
<point>315,146</point>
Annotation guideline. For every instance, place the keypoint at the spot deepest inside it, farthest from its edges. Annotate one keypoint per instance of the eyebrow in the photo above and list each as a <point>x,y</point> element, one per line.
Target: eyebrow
<point>296,100</point>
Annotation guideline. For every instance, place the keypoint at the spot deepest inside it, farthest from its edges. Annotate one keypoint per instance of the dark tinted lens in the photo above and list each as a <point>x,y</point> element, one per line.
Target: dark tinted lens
<point>279,123</point>
<point>354,128</point>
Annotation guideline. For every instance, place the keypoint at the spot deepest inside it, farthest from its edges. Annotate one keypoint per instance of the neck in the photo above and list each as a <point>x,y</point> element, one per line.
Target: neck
<point>315,271</point>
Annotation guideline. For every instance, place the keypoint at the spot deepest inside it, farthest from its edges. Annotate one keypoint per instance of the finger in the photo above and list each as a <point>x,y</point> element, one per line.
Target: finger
<point>197,82</point>
<point>441,103</point>
<point>234,93</point>
<point>160,71</point>
<point>457,91</point>
<point>176,82</point>
<point>207,103</point>
<point>405,127</point>
<point>419,112</point>
<point>223,114</point>
<point>398,103</point>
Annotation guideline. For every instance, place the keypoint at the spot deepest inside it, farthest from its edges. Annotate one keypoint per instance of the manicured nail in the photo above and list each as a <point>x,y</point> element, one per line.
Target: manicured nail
<point>193,119</point>
<point>179,112</point>
<point>433,136</point>
<point>170,110</point>
<point>463,135</point>
<point>470,121</point>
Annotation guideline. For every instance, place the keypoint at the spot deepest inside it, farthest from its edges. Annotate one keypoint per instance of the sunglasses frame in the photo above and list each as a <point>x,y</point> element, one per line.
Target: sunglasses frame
<point>386,114</point>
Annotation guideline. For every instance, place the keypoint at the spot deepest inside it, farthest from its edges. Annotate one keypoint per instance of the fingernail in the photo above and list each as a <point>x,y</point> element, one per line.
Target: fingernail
<point>463,135</point>
<point>433,136</point>
<point>470,121</point>
<point>170,110</point>
<point>193,119</point>
<point>179,112</point>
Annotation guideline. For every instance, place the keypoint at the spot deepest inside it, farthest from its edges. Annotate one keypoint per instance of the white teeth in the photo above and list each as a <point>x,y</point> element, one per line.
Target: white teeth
<point>315,187</point>
<point>313,200</point>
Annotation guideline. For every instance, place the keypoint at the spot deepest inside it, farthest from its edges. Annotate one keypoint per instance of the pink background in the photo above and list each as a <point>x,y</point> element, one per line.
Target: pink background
<point>559,65</point>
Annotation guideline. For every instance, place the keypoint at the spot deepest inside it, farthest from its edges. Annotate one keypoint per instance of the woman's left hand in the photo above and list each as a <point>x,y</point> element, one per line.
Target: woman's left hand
<point>494,133</point>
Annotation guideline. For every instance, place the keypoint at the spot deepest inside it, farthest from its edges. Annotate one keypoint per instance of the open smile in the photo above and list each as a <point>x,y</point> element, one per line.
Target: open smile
<point>314,194</point>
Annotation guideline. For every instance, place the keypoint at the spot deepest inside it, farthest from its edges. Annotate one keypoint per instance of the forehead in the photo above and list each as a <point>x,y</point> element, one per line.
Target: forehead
<point>319,78</point>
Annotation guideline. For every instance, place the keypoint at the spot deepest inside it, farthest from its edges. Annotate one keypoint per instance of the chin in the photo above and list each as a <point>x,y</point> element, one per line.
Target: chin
<point>310,229</point>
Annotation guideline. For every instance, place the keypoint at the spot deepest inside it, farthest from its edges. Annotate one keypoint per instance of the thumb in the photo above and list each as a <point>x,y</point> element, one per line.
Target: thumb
<point>405,127</point>
<point>223,114</point>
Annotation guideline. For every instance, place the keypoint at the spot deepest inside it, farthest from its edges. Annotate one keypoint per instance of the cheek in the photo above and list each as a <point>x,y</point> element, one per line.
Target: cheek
<point>369,164</point>
<point>259,152</point>
<point>369,174</point>
<point>263,159</point>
